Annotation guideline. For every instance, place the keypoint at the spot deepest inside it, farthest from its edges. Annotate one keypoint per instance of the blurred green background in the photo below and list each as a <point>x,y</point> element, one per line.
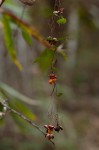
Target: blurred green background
<point>28,91</point>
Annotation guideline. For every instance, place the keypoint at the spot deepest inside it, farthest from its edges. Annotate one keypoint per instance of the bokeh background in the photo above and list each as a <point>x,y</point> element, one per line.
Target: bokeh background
<point>78,80</point>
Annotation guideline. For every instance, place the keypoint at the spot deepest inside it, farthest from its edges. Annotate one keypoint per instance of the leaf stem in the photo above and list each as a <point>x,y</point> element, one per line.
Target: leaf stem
<point>30,29</point>
<point>4,104</point>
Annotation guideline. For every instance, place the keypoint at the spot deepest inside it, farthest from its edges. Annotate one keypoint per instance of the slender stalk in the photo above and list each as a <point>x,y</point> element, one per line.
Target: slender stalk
<point>4,104</point>
<point>30,29</point>
<point>53,89</point>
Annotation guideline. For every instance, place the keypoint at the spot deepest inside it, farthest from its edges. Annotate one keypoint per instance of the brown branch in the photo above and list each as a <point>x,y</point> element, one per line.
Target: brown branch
<point>8,108</point>
<point>4,104</point>
<point>2,2</point>
<point>30,29</point>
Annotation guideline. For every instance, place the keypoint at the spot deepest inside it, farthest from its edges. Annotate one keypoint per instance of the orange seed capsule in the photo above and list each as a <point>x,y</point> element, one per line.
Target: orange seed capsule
<point>54,80</point>
<point>50,81</point>
<point>49,131</point>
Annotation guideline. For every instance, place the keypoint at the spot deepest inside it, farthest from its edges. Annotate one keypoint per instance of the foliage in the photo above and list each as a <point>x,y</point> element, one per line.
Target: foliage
<point>61,21</point>
<point>9,41</point>
<point>77,88</point>
<point>45,59</point>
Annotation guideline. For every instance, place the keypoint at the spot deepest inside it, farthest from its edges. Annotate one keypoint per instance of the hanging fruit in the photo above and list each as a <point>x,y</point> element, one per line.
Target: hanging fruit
<point>49,132</point>
<point>52,78</point>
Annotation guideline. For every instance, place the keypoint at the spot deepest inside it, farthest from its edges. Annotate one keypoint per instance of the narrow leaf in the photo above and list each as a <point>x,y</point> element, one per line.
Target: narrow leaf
<point>27,37</point>
<point>12,93</point>
<point>64,55</point>
<point>20,107</point>
<point>9,41</point>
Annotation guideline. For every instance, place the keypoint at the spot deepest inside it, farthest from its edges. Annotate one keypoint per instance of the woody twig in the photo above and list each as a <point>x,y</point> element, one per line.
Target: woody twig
<point>7,108</point>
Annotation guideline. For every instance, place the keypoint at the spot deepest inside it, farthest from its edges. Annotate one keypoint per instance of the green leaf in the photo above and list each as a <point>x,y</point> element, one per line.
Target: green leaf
<point>12,93</point>
<point>20,107</point>
<point>64,55</point>
<point>61,39</point>
<point>59,94</point>
<point>27,37</point>
<point>9,41</point>
<point>45,59</point>
<point>21,124</point>
<point>61,20</point>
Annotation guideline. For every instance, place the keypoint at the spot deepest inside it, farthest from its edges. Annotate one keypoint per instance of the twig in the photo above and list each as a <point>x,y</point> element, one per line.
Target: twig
<point>53,89</point>
<point>30,29</point>
<point>4,104</point>
<point>1,2</point>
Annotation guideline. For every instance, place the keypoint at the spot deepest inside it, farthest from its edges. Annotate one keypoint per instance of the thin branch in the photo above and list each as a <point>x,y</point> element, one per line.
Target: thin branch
<point>1,2</point>
<point>30,29</point>
<point>4,104</point>
<point>53,89</point>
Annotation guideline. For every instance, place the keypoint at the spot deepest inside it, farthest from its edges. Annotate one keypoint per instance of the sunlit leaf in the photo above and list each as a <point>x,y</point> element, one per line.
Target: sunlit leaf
<point>27,37</point>
<point>20,107</point>
<point>9,41</point>
<point>61,20</point>
<point>25,26</point>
